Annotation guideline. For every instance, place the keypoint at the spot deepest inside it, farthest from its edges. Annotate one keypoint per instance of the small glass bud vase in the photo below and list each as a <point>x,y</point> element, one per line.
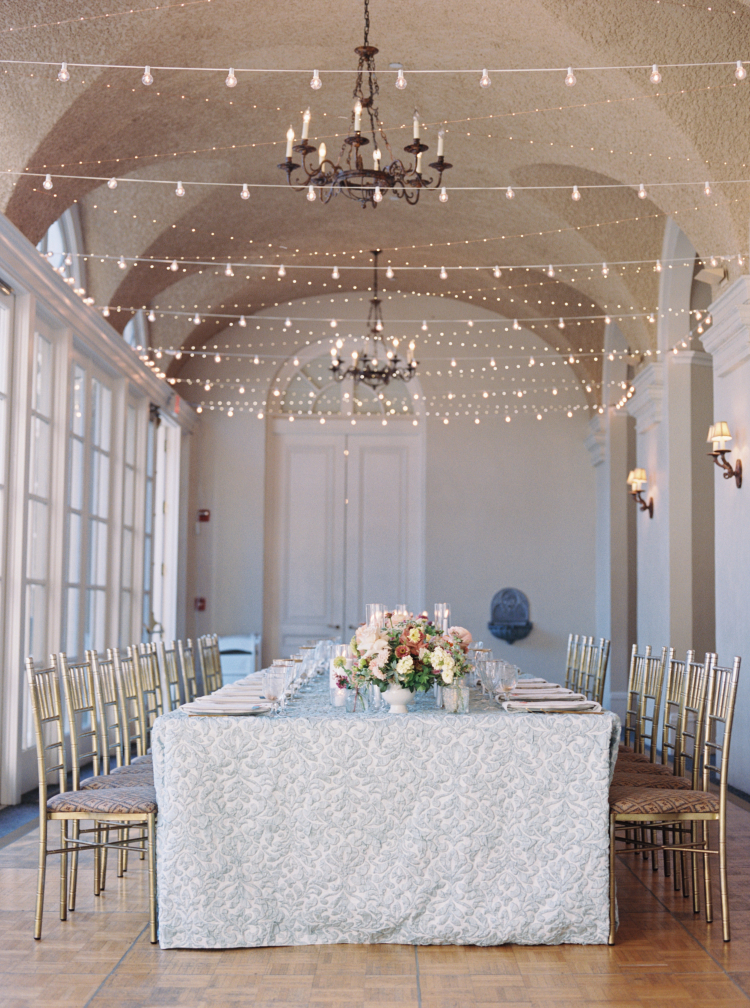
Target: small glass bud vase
<point>456,698</point>
<point>356,701</point>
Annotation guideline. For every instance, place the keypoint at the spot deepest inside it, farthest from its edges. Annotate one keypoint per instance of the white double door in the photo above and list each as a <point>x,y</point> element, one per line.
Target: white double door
<point>344,526</point>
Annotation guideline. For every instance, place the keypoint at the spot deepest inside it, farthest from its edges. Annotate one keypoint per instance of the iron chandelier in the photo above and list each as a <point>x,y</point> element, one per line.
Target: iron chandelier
<point>350,175</point>
<point>377,368</point>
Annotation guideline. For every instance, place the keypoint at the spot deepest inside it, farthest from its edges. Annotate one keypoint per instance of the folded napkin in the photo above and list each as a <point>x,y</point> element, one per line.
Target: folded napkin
<point>535,681</point>
<point>544,694</point>
<point>206,705</point>
<point>553,706</point>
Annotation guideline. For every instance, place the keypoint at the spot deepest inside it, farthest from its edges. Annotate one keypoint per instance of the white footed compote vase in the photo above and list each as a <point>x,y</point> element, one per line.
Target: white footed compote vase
<point>398,697</point>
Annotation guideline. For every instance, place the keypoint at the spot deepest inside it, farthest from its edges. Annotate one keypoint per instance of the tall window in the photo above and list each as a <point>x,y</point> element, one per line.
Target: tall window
<point>148,528</point>
<point>88,513</point>
<point>38,499</point>
<point>5,315</point>
<point>128,527</point>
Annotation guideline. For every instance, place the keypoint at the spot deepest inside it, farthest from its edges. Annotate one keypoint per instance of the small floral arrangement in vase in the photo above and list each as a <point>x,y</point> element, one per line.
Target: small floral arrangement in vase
<point>405,654</point>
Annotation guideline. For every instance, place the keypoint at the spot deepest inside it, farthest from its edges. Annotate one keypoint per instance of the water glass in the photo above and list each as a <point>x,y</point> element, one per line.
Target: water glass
<point>339,651</point>
<point>442,615</point>
<point>375,614</point>
<point>374,697</point>
<point>456,698</point>
<point>509,677</point>
<point>274,683</point>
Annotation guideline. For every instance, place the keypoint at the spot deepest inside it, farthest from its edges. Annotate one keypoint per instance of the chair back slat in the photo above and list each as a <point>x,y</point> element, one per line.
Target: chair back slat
<point>570,658</point>
<point>49,729</point>
<point>77,680</point>
<point>186,659</point>
<point>650,701</point>
<point>717,729</point>
<point>132,703</point>
<point>633,697</point>
<point>149,682</point>
<point>110,709</point>
<point>208,649</point>
<point>169,675</point>
<point>601,670</point>
<point>692,718</point>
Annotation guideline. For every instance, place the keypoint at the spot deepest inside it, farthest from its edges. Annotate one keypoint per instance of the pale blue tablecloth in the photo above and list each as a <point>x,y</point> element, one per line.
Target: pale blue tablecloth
<point>427,828</point>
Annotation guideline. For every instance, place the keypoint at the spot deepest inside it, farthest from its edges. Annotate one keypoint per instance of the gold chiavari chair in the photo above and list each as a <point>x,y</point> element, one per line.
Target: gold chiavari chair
<point>570,659</point>
<point>600,677</point>
<point>149,686</point>
<point>680,809</point>
<point>110,713</point>
<point>593,669</point>
<point>132,705</point>
<point>186,667</point>
<point>208,648</point>
<point>170,675</point>
<point>135,806</point>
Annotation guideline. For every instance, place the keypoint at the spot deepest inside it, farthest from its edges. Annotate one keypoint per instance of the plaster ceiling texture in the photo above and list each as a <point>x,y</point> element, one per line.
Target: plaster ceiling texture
<point>526,129</point>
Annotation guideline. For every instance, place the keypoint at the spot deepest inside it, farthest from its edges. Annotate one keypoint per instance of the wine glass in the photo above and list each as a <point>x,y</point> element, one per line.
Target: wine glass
<point>508,678</point>
<point>274,683</point>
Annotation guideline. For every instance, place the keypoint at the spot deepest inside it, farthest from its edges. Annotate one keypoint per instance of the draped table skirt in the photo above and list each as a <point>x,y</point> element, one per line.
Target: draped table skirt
<point>321,827</point>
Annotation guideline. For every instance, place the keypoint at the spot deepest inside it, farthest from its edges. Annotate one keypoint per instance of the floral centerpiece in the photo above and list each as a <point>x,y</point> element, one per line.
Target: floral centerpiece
<point>406,653</point>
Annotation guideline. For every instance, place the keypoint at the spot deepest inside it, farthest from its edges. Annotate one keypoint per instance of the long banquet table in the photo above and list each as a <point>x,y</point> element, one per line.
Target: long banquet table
<point>428,828</point>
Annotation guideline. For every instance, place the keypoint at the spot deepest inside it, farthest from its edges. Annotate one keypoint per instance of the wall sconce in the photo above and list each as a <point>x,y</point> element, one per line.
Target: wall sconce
<point>719,433</point>
<point>637,480</point>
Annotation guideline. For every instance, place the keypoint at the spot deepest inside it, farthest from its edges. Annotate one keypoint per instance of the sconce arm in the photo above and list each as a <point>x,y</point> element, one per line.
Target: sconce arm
<point>645,505</point>
<point>729,472</point>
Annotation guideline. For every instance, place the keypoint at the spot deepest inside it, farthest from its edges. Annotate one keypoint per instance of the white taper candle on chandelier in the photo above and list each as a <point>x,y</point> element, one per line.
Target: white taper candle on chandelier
<point>416,125</point>
<point>441,143</point>
<point>321,154</point>
<point>305,124</point>
<point>289,141</point>
<point>357,117</point>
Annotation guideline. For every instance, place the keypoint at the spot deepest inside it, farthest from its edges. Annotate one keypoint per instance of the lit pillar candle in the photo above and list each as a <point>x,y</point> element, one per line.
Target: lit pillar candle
<point>441,143</point>
<point>357,117</point>
<point>289,141</point>
<point>416,125</point>
<point>305,124</point>
<point>321,154</point>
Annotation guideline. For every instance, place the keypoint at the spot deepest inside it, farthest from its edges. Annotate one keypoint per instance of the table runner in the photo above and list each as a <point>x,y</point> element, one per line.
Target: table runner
<point>428,828</point>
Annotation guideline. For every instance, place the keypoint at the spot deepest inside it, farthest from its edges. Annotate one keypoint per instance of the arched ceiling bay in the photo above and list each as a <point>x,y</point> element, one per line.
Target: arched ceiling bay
<point>526,129</point>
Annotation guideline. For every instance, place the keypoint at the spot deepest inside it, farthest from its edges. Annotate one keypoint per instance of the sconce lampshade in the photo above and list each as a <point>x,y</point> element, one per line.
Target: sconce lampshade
<point>637,479</point>
<point>720,431</point>
<point>711,433</point>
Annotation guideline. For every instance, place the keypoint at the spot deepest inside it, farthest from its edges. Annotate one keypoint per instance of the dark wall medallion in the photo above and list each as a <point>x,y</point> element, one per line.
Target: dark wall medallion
<point>510,615</point>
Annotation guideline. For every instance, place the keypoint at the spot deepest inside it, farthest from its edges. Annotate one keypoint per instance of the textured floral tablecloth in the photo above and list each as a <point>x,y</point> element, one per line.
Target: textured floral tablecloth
<point>429,828</point>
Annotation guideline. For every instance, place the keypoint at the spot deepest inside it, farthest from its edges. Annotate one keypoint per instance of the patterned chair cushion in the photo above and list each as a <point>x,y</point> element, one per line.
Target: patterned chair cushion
<point>632,779</point>
<point>148,758</point>
<point>131,780</point>
<point>132,770</point>
<point>660,801</point>
<point>625,748</point>
<point>653,769</point>
<point>112,801</point>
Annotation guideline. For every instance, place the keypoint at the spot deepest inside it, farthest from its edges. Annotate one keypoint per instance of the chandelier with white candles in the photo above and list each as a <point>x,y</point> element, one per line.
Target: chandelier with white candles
<point>350,174</point>
<point>379,363</point>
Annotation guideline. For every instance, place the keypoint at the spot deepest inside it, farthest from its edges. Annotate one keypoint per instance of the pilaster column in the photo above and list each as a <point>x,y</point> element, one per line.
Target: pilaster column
<point>728,340</point>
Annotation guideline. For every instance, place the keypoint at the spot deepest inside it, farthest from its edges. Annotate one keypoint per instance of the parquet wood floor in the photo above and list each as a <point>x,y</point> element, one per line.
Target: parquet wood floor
<point>101,957</point>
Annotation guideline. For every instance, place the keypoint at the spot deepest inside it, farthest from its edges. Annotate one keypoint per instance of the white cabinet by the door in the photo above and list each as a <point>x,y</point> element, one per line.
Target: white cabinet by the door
<point>344,527</point>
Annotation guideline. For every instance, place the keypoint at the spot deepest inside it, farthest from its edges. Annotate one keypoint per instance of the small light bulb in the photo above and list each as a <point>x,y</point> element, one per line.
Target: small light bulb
<point>180,190</point>
<point>443,273</point>
<point>470,323</point>
<point>561,323</point>
<point>310,194</point>
<point>158,354</point>
<point>453,363</point>
<point>196,319</point>
<point>62,73</point>
<point>389,272</point>
<point>651,318</point>
<point>707,320</point>
<point>642,194</point>
<point>497,272</point>
<point>607,320</point>
<point>228,271</point>
<point>335,273</point>
<point>531,362</point>
<point>105,312</point>
<point>605,270</point>
<point>492,362</point>
<point>575,194</point>
<point>484,80</point>
<point>151,316</point>
<point>713,261</point>
<point>245,192</point>
<point>570,77</point>
<point>217,358</point>
<point>740,73</point>
<point>178,355</point>
<point>657,266</point>
<point>147,76</point>
<point>699,330</point>
<point>377,196</point>
<point>288,323</point>
<point>47,184</point>
<point>400,80</point>
<point>424,326</point>
<point>242,323</point>
<point>256,360</point>
<point>121,263</point>
<point>443,197</point>
<point>655,76</point>
<point>112,184</point>
<point>173,266</point>
<point>509,194</point>
<point>707,189</point>
<point>242,389</point>
<point>333,323</point>
<point>282,271</point>
<point>316,83</point>
<point>550,271</point>
<point>68,259</point>
<point>231,80</point>
<point>516,324</point>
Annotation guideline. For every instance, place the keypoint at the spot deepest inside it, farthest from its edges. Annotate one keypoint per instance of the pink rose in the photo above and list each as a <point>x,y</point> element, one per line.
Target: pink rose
<point>464,637</point>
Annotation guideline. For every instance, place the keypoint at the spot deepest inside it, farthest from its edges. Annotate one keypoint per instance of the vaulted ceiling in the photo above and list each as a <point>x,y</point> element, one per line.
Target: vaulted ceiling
<point>526,129</point>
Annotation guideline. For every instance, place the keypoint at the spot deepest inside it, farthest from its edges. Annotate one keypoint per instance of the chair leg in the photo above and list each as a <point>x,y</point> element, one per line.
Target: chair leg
<point>40,878</point>
<point>97,860</point>
<point>103,859</point>
<point>64,869</point>
<point>151,850</point>
<point>723,878</point>
<point>73,868</point>
<point>612,886</point>
<point>707,875</point>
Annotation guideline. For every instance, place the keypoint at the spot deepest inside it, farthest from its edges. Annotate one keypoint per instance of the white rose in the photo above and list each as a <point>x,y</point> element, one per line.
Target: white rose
<point>404,666</point>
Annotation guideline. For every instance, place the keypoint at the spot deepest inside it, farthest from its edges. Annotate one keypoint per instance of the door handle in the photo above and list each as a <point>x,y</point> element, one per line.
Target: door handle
<point>334,626</point>
<point>353,626</point>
